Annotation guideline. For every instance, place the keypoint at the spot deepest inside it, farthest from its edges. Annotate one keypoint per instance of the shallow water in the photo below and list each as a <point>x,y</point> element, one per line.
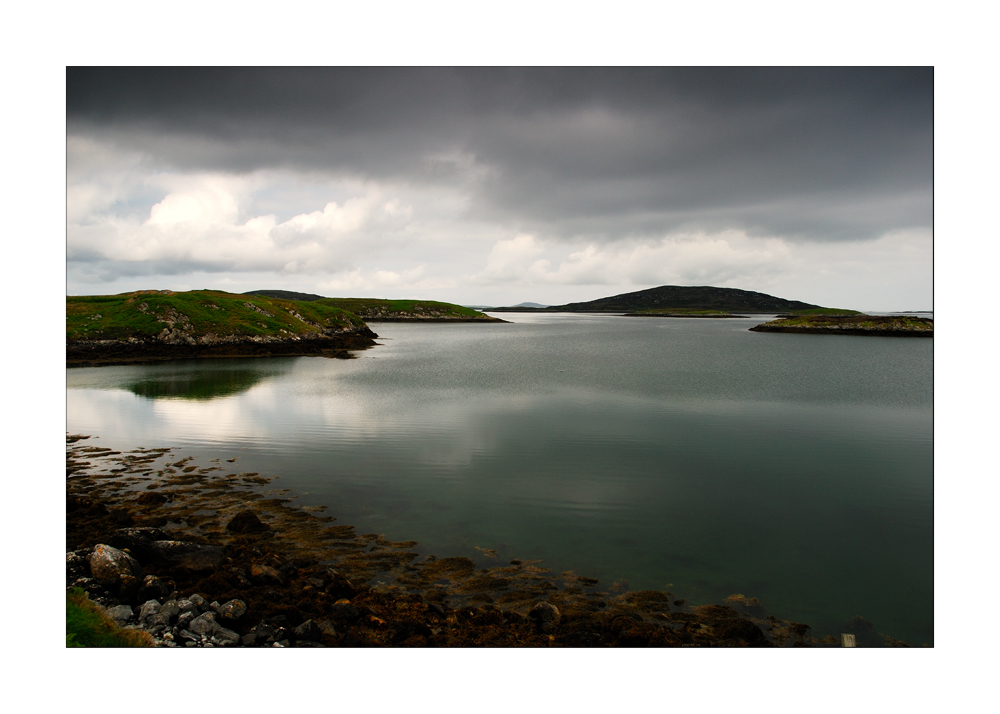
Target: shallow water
<point>793,468</point>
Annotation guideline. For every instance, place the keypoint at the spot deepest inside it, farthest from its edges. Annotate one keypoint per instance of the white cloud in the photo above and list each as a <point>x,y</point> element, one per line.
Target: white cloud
<point>131,227</point>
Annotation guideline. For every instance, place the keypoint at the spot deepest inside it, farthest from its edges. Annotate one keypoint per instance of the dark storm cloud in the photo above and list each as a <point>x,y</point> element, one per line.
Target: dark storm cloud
<point>822,153</point>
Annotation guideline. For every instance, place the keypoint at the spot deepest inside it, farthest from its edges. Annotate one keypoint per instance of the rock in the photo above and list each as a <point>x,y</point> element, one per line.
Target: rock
<point>76,563</point>
<point>344,612</point>
<point>186,555</point>
<point>338,586</point>
<point>740,629</point>
<point>308,630</point>
<point>265,575</point>
<point>191,637</point>
<point>188,606</point>
<point>232,610</point>
<point>224,636</point>
<point>169,612</point>
<point>151,498</point>
<point>544,615</point>
<point>148,611</point>
<point>262,632</point>
<point>184,619</point>
<point>246,522</point>
<point>152,588</point>
<point>204,624</point>
<point>327,629</point>
<point>120,614</point>
<point>113,568</point>
<point>240,576</point>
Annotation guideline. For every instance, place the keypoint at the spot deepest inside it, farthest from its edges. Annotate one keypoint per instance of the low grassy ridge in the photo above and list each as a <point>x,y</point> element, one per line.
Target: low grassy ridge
<point>682,312</point>
<point>87,625</point>
<point>824,311</point>
<point>146,313</point>
<point>377,309</point>
<point>851,324</point>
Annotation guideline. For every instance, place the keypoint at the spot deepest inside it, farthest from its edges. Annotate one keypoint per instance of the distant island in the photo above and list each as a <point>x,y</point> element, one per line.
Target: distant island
<point>884,325</point>
<point>687,301</point>
<point>158,325</point>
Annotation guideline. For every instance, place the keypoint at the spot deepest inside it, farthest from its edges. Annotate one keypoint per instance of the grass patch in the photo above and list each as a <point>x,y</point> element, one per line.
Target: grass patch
<point>88,625</point>
<point>825,311</point>
<point>145,313</point>
<point>369,307</point>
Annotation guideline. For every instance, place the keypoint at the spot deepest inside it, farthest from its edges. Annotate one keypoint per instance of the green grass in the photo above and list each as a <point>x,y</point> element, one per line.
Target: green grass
<point>140,314</point>
<point>88,625</point>
<point>858,321</point>
<point>825,311</point>
<point>366,307</point>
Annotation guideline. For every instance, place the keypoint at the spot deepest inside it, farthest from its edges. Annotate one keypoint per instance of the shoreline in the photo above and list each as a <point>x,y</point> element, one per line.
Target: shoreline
<point>843,331</point>
<point>290,576</point>
<point>866,325</point>
<point>93,353</point>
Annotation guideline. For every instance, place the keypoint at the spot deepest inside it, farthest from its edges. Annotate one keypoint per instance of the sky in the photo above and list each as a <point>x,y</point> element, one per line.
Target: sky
<point>495,186</point>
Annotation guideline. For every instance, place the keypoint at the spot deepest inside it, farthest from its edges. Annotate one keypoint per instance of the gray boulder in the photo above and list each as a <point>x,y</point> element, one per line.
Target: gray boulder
<point>544,615</point>
<point>308,630</point>
<point>114,569</point>
<point>204,624</point>
<point>148,612</point>
<point>120,614</point>
<point>232,611</point>
<point>184,619</point>
<point>224,636</point>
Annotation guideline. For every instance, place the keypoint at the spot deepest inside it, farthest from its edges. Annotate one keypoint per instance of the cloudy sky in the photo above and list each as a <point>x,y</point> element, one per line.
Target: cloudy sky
<point>497,186</point>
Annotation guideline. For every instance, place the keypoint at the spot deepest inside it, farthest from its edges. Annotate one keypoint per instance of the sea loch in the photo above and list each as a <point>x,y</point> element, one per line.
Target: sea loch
<point>793,468</point>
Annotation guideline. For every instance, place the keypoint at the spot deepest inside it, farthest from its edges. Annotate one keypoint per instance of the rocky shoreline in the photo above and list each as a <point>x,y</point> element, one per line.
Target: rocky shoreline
<point>871,325</point>
<point>87,353</point>
<point>202,556</point>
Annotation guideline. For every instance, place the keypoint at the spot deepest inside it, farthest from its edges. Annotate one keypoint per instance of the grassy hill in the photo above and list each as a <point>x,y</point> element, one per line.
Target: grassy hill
<point>375,310</point>
<point>198,313</point>
<point>379,310</point>
<point>689,301</point>
<point>162,324</point>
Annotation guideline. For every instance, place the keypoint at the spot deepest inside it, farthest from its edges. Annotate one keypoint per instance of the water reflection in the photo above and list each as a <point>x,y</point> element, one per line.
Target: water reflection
<point>195,380</point>
<point>199,387</point>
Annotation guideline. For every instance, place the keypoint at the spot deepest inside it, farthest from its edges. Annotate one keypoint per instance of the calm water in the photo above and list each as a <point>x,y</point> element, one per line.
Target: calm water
<point>793,468</point>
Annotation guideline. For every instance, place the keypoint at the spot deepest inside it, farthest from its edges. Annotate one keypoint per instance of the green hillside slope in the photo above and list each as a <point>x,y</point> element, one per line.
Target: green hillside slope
<point>376,310</point>
<point>162,324</point>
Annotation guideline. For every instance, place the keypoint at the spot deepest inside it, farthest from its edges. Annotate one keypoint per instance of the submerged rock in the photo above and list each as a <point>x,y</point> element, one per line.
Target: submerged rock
<point>246,522</point>
<point>187,555</point>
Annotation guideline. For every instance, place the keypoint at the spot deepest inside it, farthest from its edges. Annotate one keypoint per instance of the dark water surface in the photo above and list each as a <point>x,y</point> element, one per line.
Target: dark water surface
<point>793,468</point>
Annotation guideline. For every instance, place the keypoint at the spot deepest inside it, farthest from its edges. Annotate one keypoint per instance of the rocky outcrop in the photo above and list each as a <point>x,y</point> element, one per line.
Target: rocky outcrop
<point>114,568</point>
<point>177,342</point>
<point>186,555</point>
<point>871,325</point>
